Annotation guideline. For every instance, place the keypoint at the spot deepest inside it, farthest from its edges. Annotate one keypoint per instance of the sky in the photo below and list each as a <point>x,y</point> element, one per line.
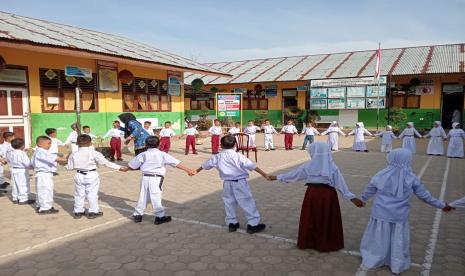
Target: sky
<point>214,31</point>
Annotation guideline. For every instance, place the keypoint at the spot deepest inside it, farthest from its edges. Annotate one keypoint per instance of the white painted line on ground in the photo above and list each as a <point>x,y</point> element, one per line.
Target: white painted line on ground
<point>429,254</point>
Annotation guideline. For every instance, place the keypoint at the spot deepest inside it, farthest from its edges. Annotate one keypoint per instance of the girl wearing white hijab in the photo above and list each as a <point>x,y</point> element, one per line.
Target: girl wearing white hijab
<point>408,138</point>
<point>455,136</point>
<point>386,240</point>
<point>359,137</point>
<point>386,139</point>
<point>333,138</point>
<point>436,142</point>
<point>320,219</point>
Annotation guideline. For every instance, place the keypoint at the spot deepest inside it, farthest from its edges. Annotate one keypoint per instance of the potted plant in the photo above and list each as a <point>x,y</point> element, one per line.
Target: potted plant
<point>396,117</point>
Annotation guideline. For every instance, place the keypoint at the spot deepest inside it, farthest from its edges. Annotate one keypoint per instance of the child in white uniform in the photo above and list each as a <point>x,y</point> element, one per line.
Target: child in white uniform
<point>52,134</point>
<point>359,137</point>
<point>289,130</point>
<point>333,137</point>
<point>5,147</point>
<point>386,139</point>
<point>152,164</point>
<point>309,132</point>
<point>455,136</point>
<point>236,129</point>
<point>72,138</point>
<point>215,131</point>
<point>190,133</point>
<point>251,130</point>
<point>408,138</point>
<point>19,165</point>
<point>45,165</point>
<point>269,131</point>
<point>233,168</point>
<point>165,137</point>
<point>87,181</point>
<point>436,142</point>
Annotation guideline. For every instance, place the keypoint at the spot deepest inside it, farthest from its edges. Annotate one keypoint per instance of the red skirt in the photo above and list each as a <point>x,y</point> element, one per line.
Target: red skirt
<point>320,220</point>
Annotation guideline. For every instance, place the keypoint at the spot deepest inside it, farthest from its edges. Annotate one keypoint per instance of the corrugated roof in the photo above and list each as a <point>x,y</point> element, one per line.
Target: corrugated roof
<point>20,29</point>
<point>434,59</point>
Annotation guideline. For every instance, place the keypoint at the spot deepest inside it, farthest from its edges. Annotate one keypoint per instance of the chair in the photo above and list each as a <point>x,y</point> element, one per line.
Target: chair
<point>242,144</point>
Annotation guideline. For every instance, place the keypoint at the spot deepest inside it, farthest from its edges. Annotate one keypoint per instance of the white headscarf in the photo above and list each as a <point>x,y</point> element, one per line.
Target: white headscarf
<point>389,127</point>
<point>397,178</point>
<point>410,124</point>
<point>454,125</point>
<point>321,165</point>
<point>333,124</point>
<point>438,123</point>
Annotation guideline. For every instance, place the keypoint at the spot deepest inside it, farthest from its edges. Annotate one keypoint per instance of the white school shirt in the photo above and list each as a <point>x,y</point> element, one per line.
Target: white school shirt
<point>289,129</point>
<point>386,137</point>
<point>114,133</point>
<point>269,129</point>
<point>5,148</point>
<point>54,146</point>
<point>153,161</point>
<point>18,159</point>
<point>251,129</point>
<point>409,132</point>
<point>230,164</point>
<point>72,138</point>
<point>87,159</point>
<point>456,132</point>
<point>44,161</point>
<point>310,131</point>
<point>167,132</point>
<point>234,130</point>
<point>459,203</point>
<point>215,130</point>
<point>191,131</point>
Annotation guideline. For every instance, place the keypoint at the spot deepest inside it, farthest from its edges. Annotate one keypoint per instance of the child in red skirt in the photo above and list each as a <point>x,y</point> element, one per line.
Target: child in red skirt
<point>190,133</point>
<point>165,137</point>
<point>320,219</point>
<point>289,130</point>
<point>216,132</point>
<point>115,143</point>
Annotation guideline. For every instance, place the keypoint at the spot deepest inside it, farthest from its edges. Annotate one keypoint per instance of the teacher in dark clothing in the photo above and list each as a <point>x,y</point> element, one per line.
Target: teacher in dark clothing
<point>133,131</point>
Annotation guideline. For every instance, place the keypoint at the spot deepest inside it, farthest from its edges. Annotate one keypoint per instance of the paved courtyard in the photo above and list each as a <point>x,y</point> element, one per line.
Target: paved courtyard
<point>196,243</point>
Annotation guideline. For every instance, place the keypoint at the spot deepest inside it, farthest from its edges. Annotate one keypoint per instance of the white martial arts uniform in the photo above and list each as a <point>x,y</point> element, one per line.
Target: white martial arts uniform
<point>459,203</point>
<point>408,139</point>
<point>333,138</point>
<point>72,140</point>
<point>152,165</point>
<point>359,138</point>
<point>436,142</point>
<point>251,131</point>
<point>3,150</point>
<point>386,140</point>
<point>55,144</point>
<point>44,164</point>
<point>233,168</point>
<point>269,131</point>
<point>455,147</point>
<point>19,166</point>
<point>386,240</point>
<point>86,180</point>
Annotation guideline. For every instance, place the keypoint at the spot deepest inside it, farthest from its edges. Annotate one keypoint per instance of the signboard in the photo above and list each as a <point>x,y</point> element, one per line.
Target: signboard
<point>336,93</point>
<point>302,88</point>
<point>240,90</point>
<point>271,91</point>
<point>372,91</point>
<point>318,104</point>
<point>424,90</point>
<point>337,103</point>
<point>355,103</point>
<point>371,103</point>
<point>348,82</point>
<point>13,76</point>
<point>228,105</point>
<point>174,83</point>
<point>452,88</point>
<point>356,92</point>
<point>320,93</point>
<point>289,93</point>
<point>107,76</point>
<point>75,71</point>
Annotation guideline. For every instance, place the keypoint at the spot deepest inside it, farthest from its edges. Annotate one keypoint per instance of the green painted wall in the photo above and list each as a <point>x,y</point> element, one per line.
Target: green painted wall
<point>368,117</point>
<point>275,116</point>
<point>330,112</point>
<point>99,122</point>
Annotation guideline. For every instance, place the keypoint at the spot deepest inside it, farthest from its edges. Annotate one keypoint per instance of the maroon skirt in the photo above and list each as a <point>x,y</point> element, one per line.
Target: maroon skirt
<point>320,220</point>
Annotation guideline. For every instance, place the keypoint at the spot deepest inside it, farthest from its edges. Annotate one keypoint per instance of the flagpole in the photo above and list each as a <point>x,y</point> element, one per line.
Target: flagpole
<point>378,76</point>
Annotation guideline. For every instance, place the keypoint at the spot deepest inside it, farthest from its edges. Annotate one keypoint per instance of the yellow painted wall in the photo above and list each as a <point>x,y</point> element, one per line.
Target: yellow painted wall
<point>107,101</point>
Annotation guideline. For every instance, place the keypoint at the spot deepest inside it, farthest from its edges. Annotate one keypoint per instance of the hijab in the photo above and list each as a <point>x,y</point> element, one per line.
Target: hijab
<point>389,127</point>
<point>454,125</point>
<point>410,124</point>
<point>321,164</point>
<point>125,118</point>
<point>397,178</point>
<point>333,124</point>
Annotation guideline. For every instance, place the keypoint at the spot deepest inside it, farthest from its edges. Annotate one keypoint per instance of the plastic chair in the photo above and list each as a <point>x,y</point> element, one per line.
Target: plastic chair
<point>242,144</point>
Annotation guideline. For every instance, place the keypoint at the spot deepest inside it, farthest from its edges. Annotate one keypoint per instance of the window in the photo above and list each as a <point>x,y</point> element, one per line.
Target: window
<point>254,101</point>
<point>202,103</point>
<point>59,92</point>
<point>146,95</point>
<point>405,101</point>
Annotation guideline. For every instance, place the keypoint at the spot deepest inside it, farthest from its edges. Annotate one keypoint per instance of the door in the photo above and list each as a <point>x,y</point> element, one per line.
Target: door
<point>14,112</point>
<point>452,104</point>
<point>289,100</point>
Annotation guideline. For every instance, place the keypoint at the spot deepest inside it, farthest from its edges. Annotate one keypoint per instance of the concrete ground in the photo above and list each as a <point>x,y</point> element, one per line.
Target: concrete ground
<point>196,243</point>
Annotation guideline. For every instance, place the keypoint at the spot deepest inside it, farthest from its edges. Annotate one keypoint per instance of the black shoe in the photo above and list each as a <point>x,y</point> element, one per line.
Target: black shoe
<point>49,211</point>
<point>15,201</point>
<point>112,159</point>
<point>3,191</point>
<point>4,185</point>
<point>55,174</point>
<point>92,215</point>
<point>255,229</point>
<point>233,227</point>
<point>161,220</point>
<point>365,150</point>
<point>137,218</point>
<point>27,202</point>
<point>273,149</point>
<point>267,150</point>
<point>357,151</point>
<point>120,159</point>
<point>79,215</point>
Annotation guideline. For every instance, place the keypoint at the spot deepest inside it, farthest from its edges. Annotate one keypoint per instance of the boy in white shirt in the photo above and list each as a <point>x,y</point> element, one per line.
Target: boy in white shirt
<point>165,137</point>
<point>190,133</point>
<point>309,132</point>
<point>386,139</point>
<point>86,130</point>
<point>215,132</point>
<point>45,165</point>
<point>115,143</point>
<point>233,168</point>
<point>52,134</point>
<point>19,165</point>
<point>289,130</point>
<point>148,127</point>
<point>85,161</point>
<point>152,164</point>
<point>5,147</point>
<point>269,130</point>
<point>251,130</point>
<point>236,129</point>
<point>72,138</point>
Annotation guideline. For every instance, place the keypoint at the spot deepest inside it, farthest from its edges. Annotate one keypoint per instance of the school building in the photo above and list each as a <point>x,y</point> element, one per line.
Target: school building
<point>42,63</point>
<point>426,82</point>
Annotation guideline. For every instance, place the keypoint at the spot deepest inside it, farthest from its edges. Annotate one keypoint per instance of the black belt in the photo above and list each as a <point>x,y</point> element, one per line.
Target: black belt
<point>18,168</point>
<point>44,172</point>
<point>235,180</point>
<point>85,172</point>
<point>162,178</point>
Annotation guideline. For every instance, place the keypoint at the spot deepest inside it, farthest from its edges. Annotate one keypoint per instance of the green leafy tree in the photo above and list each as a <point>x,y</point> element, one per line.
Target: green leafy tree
<point>396,117</point>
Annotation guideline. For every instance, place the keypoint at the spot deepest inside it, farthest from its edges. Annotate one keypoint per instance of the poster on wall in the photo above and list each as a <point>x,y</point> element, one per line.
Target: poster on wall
<point>337,92</point>
<point>372,103</point>
<point>337,103</point>
<point>107,76</point>
<point>356,92</point>
<point>355,103</point>
<point>228,105</point>
<point>320,93</point>
<point>372,91</point>
<point>271,91</point>
<point>174,83</point>
<point>318,104</point>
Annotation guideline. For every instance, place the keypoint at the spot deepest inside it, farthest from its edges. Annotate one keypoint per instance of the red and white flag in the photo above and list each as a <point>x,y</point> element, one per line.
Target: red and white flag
<point>378,63</point>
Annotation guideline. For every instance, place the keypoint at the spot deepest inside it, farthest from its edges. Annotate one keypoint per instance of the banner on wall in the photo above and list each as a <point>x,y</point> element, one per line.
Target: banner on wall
<point>228,105</point>
<point>271,91</point>
<point>174,83</point>
<point>318,104</point>
<point>337,103</point>
<point>372,103</point>
<point>355,103</point>
<point>107,76</point>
